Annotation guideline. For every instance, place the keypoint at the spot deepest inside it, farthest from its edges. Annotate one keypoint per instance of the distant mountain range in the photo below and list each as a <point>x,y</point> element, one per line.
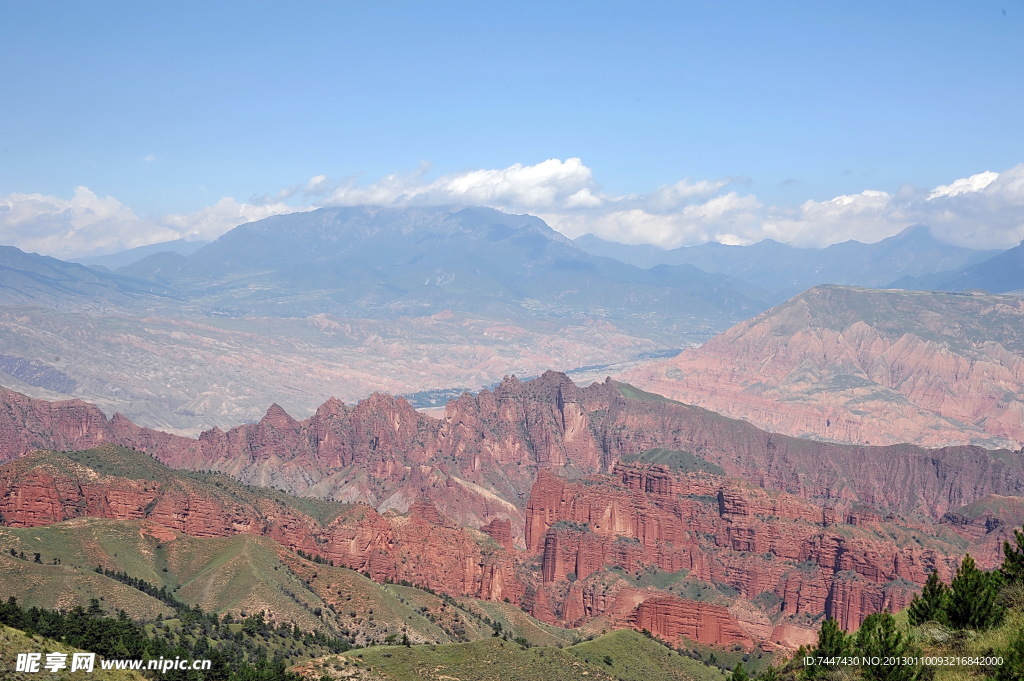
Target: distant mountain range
<point>449,296</point>
<point>1002,273</point>
<point>31,279</point>
<point>784,270</point>
<point>389,262</point>
<point>340,301</point>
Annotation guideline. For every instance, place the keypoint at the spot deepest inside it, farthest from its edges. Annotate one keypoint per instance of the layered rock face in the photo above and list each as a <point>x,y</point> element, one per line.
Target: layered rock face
<point>27,424</point>
<point>864,366</point>
<point>986,524</point>
<point>793,557</point>
<point>671,618</point>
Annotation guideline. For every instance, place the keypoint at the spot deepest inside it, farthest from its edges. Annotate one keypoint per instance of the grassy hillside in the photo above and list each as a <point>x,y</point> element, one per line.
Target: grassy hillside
<point>240,575</point>
<point>122,462</point>
<point>67,553</point>
<point>520,625</point>
<point>631,392</point>
<point>492,659</point>
<point>624,655</point>
<point>939,642</point>
<point>631,656</point>
<point>678,461</point>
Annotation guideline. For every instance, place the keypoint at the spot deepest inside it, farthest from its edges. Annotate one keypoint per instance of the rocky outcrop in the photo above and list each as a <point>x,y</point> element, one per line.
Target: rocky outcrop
<point>500,530</point>
<point>986,524</point>
<point>864,366</point>
<point>671,618</point>
<point>694,554</point>
<point>27,424</point>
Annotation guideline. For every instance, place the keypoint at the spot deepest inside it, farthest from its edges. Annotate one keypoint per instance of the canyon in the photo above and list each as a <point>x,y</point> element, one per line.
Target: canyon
<point>599,506</point>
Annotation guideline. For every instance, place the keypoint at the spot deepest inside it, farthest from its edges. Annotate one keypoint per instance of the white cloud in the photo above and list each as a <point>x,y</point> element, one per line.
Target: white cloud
<point>549,184</point>
<point>725,218</point>
<point>671,197</point>
<point>982,210</point>
<point>985,210</point>
<point>565,194</point>
<point>974,183</point>
<point>212,221</point>
<point>865,217</point>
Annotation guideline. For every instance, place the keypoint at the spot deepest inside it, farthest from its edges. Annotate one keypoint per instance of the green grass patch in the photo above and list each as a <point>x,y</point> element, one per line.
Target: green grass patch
<point>492,659</point>
<point>676,460</point>
<point>631,392</point>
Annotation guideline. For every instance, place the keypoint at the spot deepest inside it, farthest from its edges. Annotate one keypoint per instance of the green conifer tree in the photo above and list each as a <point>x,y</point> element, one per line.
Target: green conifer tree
<point>832,642</point>
<point>879,637</point>
<point>972,600</point>
<point>739,674</point>
<point>930,606</point>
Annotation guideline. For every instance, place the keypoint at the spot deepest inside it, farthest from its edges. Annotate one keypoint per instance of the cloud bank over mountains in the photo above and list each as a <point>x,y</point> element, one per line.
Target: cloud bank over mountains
<point>86,223</point>
<point>985,210</point>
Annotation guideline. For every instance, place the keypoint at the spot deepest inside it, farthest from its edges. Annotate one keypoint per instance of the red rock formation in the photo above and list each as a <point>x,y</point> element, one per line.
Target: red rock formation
<point>500,529</point>
<point>45,488</point>
<point>724,532</point>
<point>864,366</point>
<point>791,637</point>
<point>481,460</point>
<point>986,524</point>
<point>427,478</point>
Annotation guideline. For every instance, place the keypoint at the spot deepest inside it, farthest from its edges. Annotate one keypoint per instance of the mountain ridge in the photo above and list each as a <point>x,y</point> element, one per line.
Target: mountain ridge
<point>786,270</point>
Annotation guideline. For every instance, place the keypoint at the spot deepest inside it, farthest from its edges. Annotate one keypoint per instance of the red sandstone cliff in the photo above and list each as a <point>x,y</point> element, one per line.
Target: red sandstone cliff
<point>793,556</point>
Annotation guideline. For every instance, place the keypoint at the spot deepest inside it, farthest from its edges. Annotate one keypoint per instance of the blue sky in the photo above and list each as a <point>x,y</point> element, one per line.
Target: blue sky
<point>167,109</point>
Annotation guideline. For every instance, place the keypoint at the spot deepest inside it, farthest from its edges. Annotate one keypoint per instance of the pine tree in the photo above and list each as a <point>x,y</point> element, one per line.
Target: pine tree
<point>930,606</point>
<point>972,598</point>
<point>832,642</point>
<point>739,674</point>
<point>879,637</point>
<point>1012,569</point>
